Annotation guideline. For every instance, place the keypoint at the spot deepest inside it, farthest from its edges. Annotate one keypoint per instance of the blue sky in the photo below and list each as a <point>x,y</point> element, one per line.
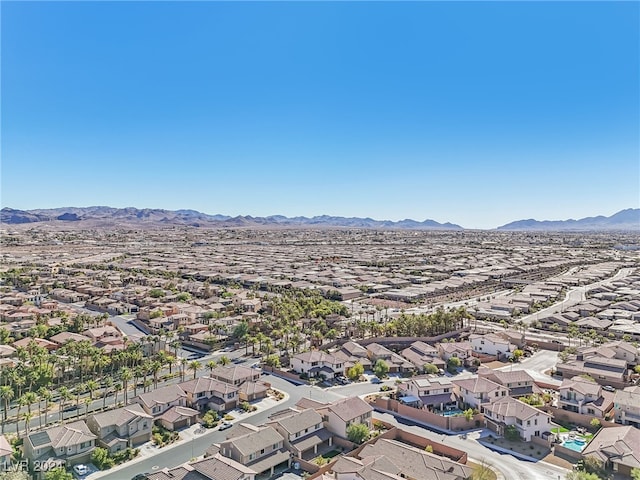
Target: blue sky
<point>475,113</point>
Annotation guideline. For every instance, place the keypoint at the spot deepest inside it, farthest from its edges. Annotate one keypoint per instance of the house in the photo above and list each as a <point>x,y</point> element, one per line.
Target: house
<point>162,399</point>
<point>420,354</point>
<point>461,350</point>
<point>251,391</point>
<point>395,362</point>
<point>508,411</point>
<point>616,448</point>
<point>352,352</point>
<point>304,432</point>
<point>178,417</point>
<point>473,392</point>
<point>121,428</point>
<point>215,467</point>
<point>235,374</point>
<point>205,393</point>
<point>519,382</point>
<point>71,443</point>
<point>316,363</point>
<point>391,460</point>
<point>492,344</point>
<point>627,406</point>
<point>430,393</point>
<point>340,414</point>
<point>261,449</point>
<point>604,370</point>
<point>585,397</point>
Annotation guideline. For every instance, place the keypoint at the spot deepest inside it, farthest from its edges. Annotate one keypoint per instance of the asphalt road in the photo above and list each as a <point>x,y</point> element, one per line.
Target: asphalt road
<point>510,467</point>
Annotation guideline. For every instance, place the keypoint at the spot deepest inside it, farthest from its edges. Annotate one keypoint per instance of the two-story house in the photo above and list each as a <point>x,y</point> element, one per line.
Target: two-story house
<point>585,397</point>
<point>519,382</point>
<point>215,467</point>
<point>434,393</point>
<point>316,363</point>
<point>529,421</point>
<point>492,344</point>
<point>420,354</point>
<point>71,443</point>
<point>261,449</point>
<point>208,393</point>
<point>461,350</point>
<point>340,414</point>
<point>121,428</point>
<point>304,432</point>
<point>627,406</point>
<point>395,362</point>
<point>473,392</point>
<point>235,374</point>
<point>168,407</point>
<point>603,369</point>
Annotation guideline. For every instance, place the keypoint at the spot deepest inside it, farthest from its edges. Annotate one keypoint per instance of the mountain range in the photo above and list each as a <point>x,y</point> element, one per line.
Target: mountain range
<point>93,217</point>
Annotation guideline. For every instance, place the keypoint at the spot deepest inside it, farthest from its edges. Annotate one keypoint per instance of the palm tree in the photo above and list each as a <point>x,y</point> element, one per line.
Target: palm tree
<point>211,364</point>
<point>87,404</point>
<point>92,386</point>
<point>28,416</point>
<point>6,393</point>
<point>125,375</point>
<point>194,365</point>
<point>224,360</point>
<point>44,394</point>
<point>65,395</point>
<point>155,367</point>
<point>108,383</point>
<point>183,365</point>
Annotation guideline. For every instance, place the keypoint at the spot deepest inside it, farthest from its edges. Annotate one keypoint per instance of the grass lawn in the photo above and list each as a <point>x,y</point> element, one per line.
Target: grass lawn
<point>559,430</point>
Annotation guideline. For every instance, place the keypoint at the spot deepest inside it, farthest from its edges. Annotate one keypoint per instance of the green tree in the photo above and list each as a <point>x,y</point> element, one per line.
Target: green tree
<point>430,368</point>
<point>453,364</point>
<point>381,369</point>
<point>595,423</point>
<point>517,354</point>
<point>511,433</point>
<point>58,473</point>
<point>428,449</point>
<point>358,433</point>
<point>355,372</point>
<point>241,330</point>
<point>195,366</point>
<point>101,459</point>
<point>635,473</point>
<point>468,414</point>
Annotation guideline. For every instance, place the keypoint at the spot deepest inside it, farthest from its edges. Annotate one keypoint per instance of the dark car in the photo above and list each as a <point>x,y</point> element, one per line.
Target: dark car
<point>140,476</point>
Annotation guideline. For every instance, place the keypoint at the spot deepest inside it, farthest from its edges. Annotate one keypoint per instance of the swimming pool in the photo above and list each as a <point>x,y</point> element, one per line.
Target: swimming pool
<point>452,413</point>
<point>575,444</point>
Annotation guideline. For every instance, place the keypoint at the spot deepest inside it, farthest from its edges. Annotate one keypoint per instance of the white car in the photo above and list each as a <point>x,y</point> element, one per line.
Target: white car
<point>225,425</point>
<point>81,469</point>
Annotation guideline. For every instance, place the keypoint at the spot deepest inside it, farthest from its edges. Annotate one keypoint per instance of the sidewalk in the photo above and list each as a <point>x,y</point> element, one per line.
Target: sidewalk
<point>148,449</point>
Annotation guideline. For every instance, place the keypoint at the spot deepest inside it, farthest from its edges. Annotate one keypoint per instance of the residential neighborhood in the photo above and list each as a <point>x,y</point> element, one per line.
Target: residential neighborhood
<point>112,355</point>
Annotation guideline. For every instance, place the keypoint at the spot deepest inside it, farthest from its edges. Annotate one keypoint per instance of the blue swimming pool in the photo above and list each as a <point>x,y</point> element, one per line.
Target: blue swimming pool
<point>452,413</point>
<point>575,444</point>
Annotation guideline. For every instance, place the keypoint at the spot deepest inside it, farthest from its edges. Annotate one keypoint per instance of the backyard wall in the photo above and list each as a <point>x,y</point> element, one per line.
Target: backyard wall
<point>565,416</point>
<point>457,424</point>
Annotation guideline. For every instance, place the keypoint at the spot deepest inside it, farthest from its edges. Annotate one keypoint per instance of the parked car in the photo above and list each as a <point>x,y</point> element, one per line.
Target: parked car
<point>608,388</point>
<point>81,469</point>
<point>225,425</point>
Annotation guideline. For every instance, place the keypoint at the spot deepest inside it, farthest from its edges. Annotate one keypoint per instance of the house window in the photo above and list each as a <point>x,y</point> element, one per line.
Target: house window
<point>262,452</point>
<point>85,444</point>
<point>275,446</point>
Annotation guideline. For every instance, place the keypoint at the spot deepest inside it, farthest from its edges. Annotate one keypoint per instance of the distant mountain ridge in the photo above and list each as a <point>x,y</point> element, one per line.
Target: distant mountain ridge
<point>109,216</point>
<point>100,216</point>
<point>624,220</point>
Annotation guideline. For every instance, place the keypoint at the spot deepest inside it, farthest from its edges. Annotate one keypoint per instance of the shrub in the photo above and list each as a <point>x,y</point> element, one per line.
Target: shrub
<point>210,419</point>
<point>100,458</point>
<point>357,433</point>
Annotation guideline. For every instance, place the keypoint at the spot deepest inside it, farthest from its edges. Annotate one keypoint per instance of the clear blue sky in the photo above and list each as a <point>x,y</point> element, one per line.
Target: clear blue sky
<point>474,113</point>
